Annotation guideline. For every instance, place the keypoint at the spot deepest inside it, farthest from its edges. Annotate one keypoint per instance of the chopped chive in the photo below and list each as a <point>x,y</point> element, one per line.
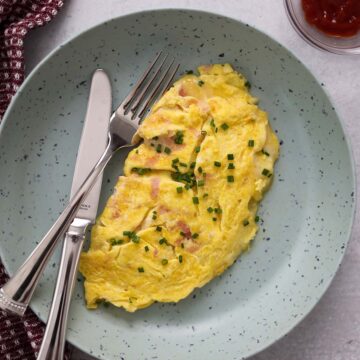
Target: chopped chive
<point>195,200</point>
<point>155,138</point>
<point>200,83</point>
<point>212,123</point>
<point>205,195</point>
<point>210,209</point>
<point>128,233</point>
<point>195,235</point>
<point>141,269</point>
<point>187,187</point>
<point>257,218</point>
<point>224,126</point>
<point>180,259</point>
<point>179,137</point>
<point>265,172</point>
<point>230,179</point>
<point>175,161</point>
<point>182,233</point>
<point>251,143</point>
<point>167,150</point>
<point>179,189</point>
<point>248,84</point>
<point>158,228</point>
<point>164,261</point>
<point>163,241</point>
<point>152,144</point>
<point>140,171</point>
<point>269,175</point>
<point>183,164</point>
<point>217,210</point>
<point>204,175</point>
<point>265,152</point>
<point>116,241</point>
<point>135,239</point>
<point>200,169</point>
<point>182,245</point>
<point>146,248</point>
<point>231,166</point>
<point>158,148</point>
<point>189,72</point>
<point>201,183</point>
<point>246,222</point>
<point>217,163</point>
<point>197,149</point>
<point>192,165</point>
<point>214,218</point>
<point>230,156</point>
<point>154,215</point>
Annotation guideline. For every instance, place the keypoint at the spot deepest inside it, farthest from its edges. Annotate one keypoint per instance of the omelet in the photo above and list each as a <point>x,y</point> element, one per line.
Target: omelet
<point>186,206</point>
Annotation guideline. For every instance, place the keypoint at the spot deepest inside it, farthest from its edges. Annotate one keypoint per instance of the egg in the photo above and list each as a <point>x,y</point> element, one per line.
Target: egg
<point>186,206</point>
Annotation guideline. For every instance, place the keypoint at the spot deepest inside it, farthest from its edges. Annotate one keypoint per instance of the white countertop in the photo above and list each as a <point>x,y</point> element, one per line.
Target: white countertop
<point>332,330</point>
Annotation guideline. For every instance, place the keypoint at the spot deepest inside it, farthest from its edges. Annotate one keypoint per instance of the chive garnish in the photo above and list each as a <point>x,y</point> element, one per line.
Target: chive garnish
<point>205,195</point>
<point>197,149</point>
<point>116,241</point>
<point>179,189</point>
<point>195,200</point>
<point>141,269</point>
<point>167,150</point>
<point>265,152</point>
<point>135,239</point>
<point>230,156</point>
<point>182,245</point>
<point>257,218</point>
<point>195,235</point>
<point>164,261</point>
<point>230,179</point>
<point>200,169</point>
<point>155,138</point>
<point>200,83</point>
<point>217,210</point>
<point>214,218</point>
<point>224,126</point>
<point>180,259</point>
<point>265,172</point>
<point>217,163</point>
<point>158,228</point>
<point>212,123</point>
<point>192,165</point>
<point>182,233</point>
<point>140,171</point>
<point>201,183</point>
<point>251,143</point>
<point>146,248</point>
<point>210,209</point>
<point>163,241</point>
<point>158,148</point>
<point>179,137</point>
<point>246,222</point>
<point>231,166</point>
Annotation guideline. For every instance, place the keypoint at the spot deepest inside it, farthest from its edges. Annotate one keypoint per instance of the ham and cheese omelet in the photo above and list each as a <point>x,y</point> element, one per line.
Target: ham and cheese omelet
<point>186,206</point>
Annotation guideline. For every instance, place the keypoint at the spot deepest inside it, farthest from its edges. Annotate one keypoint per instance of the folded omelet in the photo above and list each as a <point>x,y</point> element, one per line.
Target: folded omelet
<point>186,207</point>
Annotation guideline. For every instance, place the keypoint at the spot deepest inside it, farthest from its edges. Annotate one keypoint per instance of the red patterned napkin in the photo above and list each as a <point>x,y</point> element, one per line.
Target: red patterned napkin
<point>20,338</point>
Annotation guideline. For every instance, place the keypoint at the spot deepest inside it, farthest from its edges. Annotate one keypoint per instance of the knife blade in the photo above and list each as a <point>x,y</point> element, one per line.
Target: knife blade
<point>92,144</point>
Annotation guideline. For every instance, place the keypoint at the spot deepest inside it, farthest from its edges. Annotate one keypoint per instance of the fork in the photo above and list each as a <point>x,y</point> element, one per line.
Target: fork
<point>16,294</point>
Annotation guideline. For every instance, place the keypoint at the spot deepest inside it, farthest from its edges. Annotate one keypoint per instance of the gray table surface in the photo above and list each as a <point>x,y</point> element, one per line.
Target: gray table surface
<point>332,330</point>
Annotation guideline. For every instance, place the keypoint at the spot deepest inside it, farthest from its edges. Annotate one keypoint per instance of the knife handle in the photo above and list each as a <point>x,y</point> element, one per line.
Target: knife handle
<point>16,294</point>
<point>52,347</point>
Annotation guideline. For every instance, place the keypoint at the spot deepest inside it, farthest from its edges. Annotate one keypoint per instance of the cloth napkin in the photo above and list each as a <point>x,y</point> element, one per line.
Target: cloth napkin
<point>20,338</point>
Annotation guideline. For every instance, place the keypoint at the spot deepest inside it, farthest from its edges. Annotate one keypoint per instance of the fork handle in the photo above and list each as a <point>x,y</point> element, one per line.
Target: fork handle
<point>52,347</point>
<point>16,294</point>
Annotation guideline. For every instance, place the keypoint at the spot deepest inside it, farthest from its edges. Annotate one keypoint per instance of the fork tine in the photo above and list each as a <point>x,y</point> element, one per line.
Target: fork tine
<point>145,88</point>
<point>161,86</point>
<point>130,97</point>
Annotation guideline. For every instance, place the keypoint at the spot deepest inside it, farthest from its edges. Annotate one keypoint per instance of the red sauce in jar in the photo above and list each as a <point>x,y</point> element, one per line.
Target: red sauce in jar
<point>334,17</point>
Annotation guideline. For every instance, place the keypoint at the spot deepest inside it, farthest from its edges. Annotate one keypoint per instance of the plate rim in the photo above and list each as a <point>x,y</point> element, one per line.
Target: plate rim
<point>286,329</point>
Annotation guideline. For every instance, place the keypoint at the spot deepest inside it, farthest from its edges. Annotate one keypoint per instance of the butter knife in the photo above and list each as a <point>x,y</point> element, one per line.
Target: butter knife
<point>92,145</point>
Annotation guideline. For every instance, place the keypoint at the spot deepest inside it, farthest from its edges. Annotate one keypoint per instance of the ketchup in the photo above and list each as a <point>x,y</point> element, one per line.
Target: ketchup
<point>334,17</point>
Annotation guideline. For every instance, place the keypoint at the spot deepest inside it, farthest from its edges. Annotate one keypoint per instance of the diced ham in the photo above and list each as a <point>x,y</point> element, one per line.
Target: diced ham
<point>184,228</point>
<point>182,91</point>
<point>151,161</point>
<point>194,247</point>
<point>155,182</point>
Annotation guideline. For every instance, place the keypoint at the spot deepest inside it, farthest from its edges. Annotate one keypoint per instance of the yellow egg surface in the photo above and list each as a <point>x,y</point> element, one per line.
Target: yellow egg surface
<point>186,207</point>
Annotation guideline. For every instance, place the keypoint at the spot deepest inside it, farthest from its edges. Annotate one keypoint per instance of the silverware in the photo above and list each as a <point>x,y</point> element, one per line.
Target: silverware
<point>92,144</point>
<point>17,292</point>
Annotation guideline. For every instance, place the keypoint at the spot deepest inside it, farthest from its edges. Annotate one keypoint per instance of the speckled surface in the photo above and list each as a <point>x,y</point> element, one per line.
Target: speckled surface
<point>271,263</point>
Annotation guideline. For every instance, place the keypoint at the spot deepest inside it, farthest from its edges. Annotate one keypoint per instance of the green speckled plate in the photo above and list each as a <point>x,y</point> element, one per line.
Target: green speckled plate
<point>307,214</point>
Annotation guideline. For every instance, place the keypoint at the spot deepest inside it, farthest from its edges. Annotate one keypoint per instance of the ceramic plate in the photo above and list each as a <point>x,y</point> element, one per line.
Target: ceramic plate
<point>307,214</point>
